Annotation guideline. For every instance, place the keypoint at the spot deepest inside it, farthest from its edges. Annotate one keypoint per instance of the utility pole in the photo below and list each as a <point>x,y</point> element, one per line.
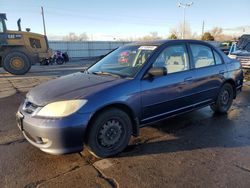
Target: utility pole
<point>44,27</point>
<point>184,6</point>
<point>203,28</point>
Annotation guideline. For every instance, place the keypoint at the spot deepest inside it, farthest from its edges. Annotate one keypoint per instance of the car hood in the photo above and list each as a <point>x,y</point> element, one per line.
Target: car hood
<point>73,86</point>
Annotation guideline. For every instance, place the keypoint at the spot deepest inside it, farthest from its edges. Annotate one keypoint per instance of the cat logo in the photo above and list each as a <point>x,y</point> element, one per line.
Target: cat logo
<point>14,36</point>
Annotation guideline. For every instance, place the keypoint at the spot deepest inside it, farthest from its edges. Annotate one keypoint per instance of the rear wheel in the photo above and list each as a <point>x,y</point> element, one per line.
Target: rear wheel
<point>224,99</point>
<point>16,63</point>
<point>109,133</point>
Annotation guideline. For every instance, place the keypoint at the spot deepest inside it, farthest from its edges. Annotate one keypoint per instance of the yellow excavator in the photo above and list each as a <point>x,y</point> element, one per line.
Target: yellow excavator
<point>21,49</point>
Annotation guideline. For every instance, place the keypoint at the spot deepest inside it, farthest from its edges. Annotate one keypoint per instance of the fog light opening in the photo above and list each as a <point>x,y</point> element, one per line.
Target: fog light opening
<point>45,140</point>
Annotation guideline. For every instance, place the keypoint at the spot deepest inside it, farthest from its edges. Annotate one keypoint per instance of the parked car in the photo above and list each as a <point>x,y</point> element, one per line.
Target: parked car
<point>106,104</point>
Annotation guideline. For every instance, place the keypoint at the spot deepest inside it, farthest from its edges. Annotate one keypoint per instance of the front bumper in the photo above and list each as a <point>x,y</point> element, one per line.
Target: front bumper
<point>54,136</point>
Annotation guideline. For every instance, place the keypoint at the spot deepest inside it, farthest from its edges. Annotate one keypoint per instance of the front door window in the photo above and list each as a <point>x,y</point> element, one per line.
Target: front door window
<point>173,58</point>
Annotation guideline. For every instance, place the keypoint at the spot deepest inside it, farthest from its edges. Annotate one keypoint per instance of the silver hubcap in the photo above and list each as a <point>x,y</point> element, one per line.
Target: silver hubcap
<point>225,97</point>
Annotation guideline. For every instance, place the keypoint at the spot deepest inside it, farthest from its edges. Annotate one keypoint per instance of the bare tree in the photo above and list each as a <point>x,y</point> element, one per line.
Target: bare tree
<point>178,30</point>
<point>73,37</point>
<point>83,37</point>
<point>151,36</point>
<point>195,36</point>
<point>217,32</point>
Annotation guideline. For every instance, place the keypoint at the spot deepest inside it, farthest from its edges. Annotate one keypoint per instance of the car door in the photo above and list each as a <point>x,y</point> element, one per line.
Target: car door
<point>210,70</point>
<point>171,93</point>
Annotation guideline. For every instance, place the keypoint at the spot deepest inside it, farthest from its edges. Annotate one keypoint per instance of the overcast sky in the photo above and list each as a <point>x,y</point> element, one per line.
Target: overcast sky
<point>130,18</point>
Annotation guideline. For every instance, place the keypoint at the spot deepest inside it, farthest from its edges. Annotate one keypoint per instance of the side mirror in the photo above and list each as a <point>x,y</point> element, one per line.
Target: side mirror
<point>156,71</point>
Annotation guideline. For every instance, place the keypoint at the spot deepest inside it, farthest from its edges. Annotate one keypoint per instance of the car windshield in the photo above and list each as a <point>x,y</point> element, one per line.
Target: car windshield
<point>123,62</point>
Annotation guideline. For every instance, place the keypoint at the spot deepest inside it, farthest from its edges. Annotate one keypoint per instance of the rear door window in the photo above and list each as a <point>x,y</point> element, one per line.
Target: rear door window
<point>203,55</point>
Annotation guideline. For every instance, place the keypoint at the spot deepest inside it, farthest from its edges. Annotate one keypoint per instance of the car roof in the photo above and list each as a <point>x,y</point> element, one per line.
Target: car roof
<point>162,42</point>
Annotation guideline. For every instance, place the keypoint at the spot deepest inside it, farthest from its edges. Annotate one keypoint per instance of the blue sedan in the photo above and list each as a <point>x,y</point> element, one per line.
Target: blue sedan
<point>131,87</point>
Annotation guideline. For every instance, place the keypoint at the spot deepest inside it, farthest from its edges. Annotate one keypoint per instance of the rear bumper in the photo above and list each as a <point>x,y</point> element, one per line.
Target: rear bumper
<point>56,136</point>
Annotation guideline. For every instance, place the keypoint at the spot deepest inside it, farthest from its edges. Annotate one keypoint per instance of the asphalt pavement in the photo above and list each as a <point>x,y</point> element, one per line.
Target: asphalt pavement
<point>198,149</point>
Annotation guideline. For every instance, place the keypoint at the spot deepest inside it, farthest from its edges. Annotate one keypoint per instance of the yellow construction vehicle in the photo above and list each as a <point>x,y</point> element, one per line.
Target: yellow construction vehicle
<point>21,49</point>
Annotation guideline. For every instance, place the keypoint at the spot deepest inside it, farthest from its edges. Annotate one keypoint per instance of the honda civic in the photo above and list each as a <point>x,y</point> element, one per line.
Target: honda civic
<point>133,86</point>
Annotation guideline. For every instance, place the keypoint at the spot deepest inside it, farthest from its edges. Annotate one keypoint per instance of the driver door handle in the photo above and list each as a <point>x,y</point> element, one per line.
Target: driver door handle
<point>221,71</point>
<point>188,79</point>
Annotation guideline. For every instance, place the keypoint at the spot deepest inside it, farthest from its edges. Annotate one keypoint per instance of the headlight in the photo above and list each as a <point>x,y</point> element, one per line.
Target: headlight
<point>61,108</point>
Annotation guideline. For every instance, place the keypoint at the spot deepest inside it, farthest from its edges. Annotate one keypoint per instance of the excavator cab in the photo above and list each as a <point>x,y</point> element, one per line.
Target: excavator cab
<point>2,22</point>
<point>2,28</point>
<point>19,50</point>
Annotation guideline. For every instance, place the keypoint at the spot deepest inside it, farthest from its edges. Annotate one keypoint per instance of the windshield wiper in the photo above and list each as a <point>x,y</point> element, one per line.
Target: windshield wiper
<point>108,74</point>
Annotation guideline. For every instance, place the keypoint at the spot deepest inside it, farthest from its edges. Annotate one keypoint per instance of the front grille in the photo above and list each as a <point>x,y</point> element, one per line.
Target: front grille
<point>29,107</point>
<point>245,61</point>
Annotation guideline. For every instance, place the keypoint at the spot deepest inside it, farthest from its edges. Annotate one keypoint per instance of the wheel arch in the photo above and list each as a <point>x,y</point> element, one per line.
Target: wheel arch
<point>123,107</point>
<point>232,83</point>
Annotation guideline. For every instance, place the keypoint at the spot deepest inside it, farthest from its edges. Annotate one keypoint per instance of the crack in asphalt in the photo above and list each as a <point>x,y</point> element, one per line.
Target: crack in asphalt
<point>9,89</point>
<point>111,181</point>
<point>242,168</point>
<point>40,182</point>
<point>13,142</point>
<point>14,87</point>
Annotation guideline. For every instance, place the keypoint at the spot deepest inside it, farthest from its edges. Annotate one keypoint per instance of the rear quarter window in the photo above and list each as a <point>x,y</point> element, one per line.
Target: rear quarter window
<point>217,58</point>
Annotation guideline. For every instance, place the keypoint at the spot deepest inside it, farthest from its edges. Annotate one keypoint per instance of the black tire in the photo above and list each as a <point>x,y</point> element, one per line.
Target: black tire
<point>109,133</point>
<point>16,63</point>
<point>59,61</point>
<point>224,99</point>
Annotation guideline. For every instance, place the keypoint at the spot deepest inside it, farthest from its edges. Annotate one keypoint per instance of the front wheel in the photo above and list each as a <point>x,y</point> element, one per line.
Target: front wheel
<point>16,63</point>
<point>109,133</point>
<point>224,99</point>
